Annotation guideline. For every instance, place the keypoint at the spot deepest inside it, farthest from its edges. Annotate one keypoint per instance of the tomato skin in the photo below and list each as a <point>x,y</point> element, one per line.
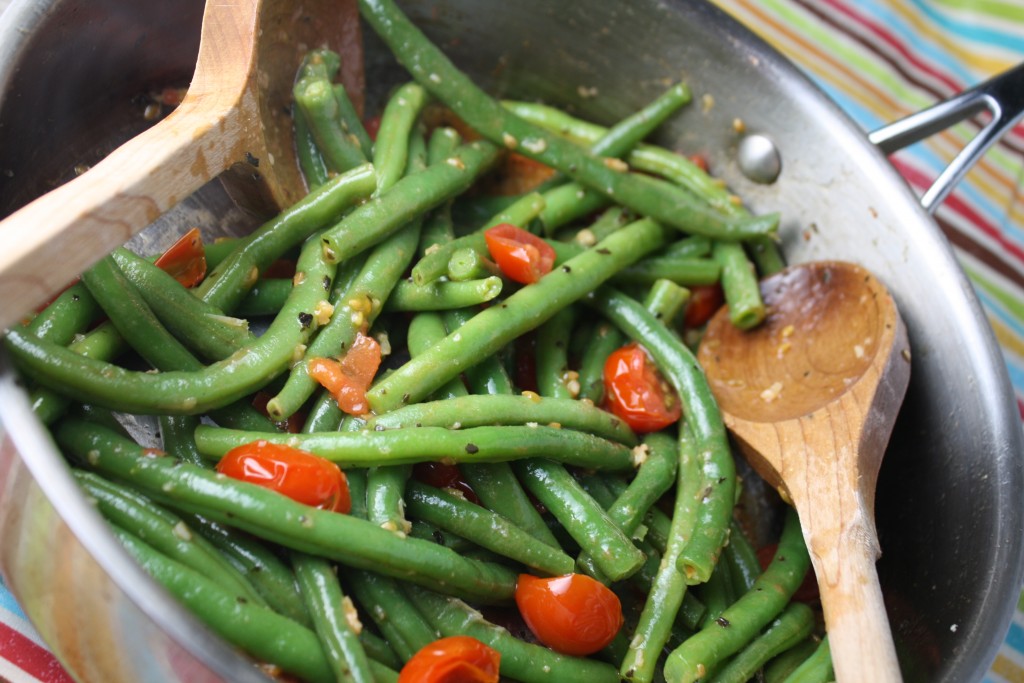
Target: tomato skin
<point>444,476</point>
<point>349,378</point>
<point>302,476</point>
<point>573,614</point>
<point>522,256</point>
<point>185,260</point>
<point>704,301</point>
<point>456,659</point>
<point>636,392</point>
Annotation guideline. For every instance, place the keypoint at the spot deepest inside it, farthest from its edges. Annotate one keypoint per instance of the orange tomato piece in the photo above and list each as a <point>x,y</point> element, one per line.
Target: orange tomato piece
<point>521,255</point>
<point>636,392</point>
<point>456,659</point>
<point>573,614</point>
<point>349,378</point>
<point>186,259</point>
<point>302,476</point>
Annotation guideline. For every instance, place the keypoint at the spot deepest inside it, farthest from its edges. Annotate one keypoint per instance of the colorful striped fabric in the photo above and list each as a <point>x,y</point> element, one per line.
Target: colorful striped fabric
<point>880,60</point>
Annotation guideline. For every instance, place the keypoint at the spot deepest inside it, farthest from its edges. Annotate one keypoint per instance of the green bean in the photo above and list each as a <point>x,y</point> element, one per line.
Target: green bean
<point>780,667</point>
<point>683,271</point>
<point>319,62</point>
<point>718,471</point>
<point>520,660</point>
<point>264,298</point>
<point>436,262</point>
<point>179,392</point>
<point>226,285</point>
<point>742,558</point>
<point>493,328</point>
<point>407,199</point>
<point>432,69</point>
<point>552,356</point>
<point>164,531</point>
<point>571,201</point>
<point>653,478</point>
<point>652,159</point>
<point>610,220</point>
<point>258,630</point>
<point>668,591</point>
<point>429,532</point>
<point>342,538</point>
<point>815,669</point>
<point>658,524</point>
<point>350,121</point>
<point>489,376</point>
<point>496,409</point>
<point>391,149</point>
<point>485,528</point>
<point>260,565</point>
<point>739,282</point>
<point>421,444</point>
<point>716,593</point>
<point>324,599</point>
<point>748,615</point>
<point>793,625</point>
<point>404,627</point>
<point>378,650</point>
<point>443,295</point>
<point>69,314</point>
<point>176,433</point>
<point>317,104</point>
<point>589,525</point>
<point>356,307</point>
<point>666,299</point>
<point>311,161</point>
<point>134,319</point>
<point>606,339</point>
<point>201,326</point>
<point>385,489</point>
<point>470,264</point>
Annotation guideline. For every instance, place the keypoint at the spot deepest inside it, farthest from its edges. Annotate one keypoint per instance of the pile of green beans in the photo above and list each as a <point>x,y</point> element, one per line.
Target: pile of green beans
<point>501,380</point>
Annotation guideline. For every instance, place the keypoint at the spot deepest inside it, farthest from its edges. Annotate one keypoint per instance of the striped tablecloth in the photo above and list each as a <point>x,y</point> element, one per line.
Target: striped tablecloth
<point>880,60</point>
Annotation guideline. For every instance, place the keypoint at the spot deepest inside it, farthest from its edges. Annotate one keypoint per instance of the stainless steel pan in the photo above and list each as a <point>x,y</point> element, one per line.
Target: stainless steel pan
<point>950,501</point>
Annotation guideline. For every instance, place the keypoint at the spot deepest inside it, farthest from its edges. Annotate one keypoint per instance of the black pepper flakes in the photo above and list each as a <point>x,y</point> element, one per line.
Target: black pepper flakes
<point>472,448</point>
<point>327,283</point>
<point>723,622</point>
<point>603,251</point>
<point>305,319</point>
<point>566,269</point>
<point>254,161</point>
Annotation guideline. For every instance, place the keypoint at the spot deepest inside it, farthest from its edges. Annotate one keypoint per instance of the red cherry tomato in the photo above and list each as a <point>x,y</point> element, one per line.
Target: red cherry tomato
<point>349,378</point>
<point>456,659</point>
<point>302,476</point>
<point>572,614</point>
<point>636,392</point>
<point>522,256</point>
<point>704,301</point>
<point>186,259</point>
<point>807,592</point>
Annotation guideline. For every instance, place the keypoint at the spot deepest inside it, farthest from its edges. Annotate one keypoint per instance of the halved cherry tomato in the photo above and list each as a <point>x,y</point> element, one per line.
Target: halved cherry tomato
<point>636,391</point>
<point>808,590</point>
<point>572,614</point>
<point>186,259</point>
<point>349,378</point>
<point>704,301</point>
<point>522,256</point>
<point>302,476</point>
<point>444,476</point>
<point>456,659</point>
<point>293,425</point>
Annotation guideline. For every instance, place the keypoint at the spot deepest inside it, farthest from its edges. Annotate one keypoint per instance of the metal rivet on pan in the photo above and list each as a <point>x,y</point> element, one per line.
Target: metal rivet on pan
<point>759,159</point>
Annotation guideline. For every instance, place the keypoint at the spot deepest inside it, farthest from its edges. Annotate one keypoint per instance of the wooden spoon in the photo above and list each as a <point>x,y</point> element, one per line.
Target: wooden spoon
<point>234,117</point>
<point>811,396</point>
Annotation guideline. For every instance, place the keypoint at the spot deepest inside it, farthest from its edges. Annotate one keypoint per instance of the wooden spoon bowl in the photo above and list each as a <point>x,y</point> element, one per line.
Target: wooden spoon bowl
<point>234,122</point>
<point>811,397</point>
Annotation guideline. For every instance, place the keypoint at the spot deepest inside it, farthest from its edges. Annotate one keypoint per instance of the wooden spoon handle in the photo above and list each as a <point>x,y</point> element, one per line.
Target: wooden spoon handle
<point>50,241</point>
<point>860,638</point>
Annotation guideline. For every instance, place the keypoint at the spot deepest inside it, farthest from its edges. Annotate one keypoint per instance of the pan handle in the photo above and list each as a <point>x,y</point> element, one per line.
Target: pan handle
<point>1002,96</point>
